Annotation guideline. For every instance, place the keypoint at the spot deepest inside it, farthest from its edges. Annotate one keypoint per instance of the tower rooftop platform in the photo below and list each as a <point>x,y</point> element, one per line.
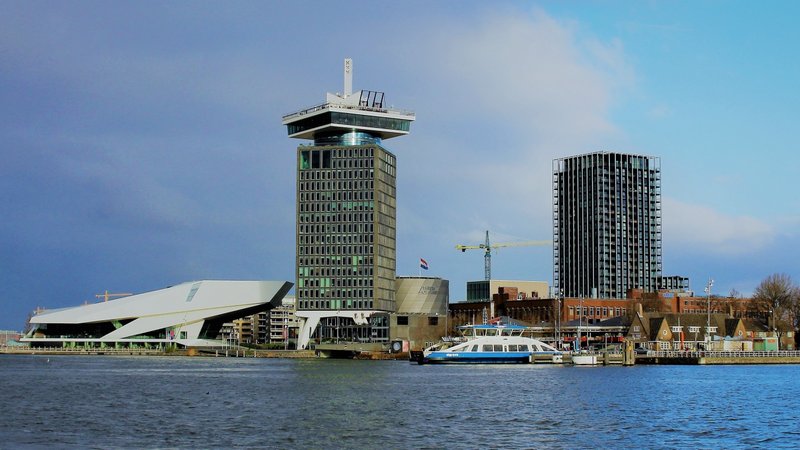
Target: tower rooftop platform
<point>360,111</point>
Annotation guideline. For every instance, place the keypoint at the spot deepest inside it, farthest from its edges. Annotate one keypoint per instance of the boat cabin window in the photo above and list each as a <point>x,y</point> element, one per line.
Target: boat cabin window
<point>474,348</point>
<point>536,348</point>
<point>492,348</point>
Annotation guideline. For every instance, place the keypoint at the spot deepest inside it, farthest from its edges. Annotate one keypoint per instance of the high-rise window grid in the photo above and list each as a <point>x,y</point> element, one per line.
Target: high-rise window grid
<point>346,228</point>
<point>606,224</point>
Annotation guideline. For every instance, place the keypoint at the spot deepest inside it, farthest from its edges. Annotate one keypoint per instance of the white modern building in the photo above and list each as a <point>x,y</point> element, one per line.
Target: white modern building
<point>189,314</point>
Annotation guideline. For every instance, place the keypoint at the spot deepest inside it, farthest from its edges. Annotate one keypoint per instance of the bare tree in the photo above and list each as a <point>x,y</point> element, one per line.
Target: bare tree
<point>776,299</point>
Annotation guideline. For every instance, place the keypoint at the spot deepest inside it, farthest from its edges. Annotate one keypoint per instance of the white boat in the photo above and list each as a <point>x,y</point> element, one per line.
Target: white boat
<point>492,344</point>
<point>585,359</point>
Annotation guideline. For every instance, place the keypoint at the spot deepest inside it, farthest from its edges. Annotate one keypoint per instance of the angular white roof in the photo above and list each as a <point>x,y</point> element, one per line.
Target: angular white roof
<point>176,307</point>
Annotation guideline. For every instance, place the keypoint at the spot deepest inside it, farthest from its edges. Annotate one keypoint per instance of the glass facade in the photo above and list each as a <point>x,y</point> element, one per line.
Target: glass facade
<point>606,225</point>
<point>346,230</point>
<point>355,121</point>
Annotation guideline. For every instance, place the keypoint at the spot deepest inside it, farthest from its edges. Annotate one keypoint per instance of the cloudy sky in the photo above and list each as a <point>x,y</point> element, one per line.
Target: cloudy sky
<point>141,143</point>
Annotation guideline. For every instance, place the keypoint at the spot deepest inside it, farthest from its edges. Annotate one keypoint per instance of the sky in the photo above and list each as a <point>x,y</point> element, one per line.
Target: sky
<point>141,143</point>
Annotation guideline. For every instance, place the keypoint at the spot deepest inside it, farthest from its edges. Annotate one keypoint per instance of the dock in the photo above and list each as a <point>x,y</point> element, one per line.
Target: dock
<point>704,358</point>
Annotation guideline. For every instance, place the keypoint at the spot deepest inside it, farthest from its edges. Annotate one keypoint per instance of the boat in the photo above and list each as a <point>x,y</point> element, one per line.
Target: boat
<point>489,344</point>
<point>585,359</point>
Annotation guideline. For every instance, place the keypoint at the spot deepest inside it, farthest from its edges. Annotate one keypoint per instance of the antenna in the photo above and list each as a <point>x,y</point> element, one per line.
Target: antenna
<point>348,77</point>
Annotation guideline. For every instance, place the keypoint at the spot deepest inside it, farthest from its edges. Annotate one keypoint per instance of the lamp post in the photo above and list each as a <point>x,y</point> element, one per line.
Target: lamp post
<point>775,328</point>
<point>708,309</point>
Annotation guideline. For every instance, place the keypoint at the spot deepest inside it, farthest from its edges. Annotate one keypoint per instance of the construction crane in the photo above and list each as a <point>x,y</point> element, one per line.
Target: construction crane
<point>105,296</point>
<point>487,247</point>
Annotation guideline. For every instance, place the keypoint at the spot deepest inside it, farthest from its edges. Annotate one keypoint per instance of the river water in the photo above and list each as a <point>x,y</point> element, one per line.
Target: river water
<point>179,402</point>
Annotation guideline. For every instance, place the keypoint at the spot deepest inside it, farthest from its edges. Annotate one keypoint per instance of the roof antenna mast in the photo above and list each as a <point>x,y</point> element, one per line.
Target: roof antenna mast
<point>348,77</point>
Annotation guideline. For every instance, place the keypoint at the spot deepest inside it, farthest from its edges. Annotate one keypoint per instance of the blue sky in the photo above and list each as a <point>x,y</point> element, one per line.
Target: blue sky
<point>141,143</point>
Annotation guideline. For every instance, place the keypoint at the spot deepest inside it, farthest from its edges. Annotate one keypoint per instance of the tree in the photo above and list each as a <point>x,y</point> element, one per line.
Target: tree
<point>777,299</point>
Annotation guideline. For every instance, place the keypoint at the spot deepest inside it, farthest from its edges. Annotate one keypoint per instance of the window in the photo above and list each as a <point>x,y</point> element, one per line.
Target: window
<point>402,320</point>
<point>433,321</point>
<point>183,335</point>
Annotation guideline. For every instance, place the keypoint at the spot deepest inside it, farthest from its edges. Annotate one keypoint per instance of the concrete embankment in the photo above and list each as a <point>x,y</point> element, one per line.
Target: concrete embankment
<point>88,351</point>
<point>719,358</point>
<point>230,352</point>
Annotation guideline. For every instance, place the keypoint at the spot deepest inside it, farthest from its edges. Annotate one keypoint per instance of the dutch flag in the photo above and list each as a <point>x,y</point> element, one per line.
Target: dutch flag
<point>423,264</point>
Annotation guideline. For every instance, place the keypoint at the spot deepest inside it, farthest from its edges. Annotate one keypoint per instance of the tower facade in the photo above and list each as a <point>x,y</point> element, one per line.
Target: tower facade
<point>346,215</point>
<point>606,224</point>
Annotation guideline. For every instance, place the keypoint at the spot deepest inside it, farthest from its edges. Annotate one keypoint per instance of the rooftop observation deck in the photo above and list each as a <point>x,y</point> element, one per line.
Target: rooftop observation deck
<point>288,118</point>
<point>362,111</point>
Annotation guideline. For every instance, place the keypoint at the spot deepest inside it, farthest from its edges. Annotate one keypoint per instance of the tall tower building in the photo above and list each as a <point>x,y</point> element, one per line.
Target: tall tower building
<point>346,214</point>
<point>606,224</point>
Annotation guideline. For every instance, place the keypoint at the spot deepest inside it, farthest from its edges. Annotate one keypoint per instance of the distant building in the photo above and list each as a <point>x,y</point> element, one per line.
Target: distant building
<point>606,225</point>
<point>7,336</point>
<point>422,295</point>
<point>717,331</point>
<point>484,290</point>
<point>278,327</point>
<point>673,283</point>
<point>283,324</point>
<point>346,215</point>
<point>421,316</point>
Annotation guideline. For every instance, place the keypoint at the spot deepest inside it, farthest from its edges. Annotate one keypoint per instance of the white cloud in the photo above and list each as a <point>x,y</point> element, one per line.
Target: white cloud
<point>499,98</point>
<point>692,227</point>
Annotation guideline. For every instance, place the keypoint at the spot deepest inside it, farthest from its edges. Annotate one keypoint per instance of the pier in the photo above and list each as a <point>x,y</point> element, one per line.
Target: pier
<point>719,357</point>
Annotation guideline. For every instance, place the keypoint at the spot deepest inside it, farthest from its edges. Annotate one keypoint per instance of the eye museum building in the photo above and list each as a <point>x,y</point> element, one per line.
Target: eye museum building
<point>187,315</point>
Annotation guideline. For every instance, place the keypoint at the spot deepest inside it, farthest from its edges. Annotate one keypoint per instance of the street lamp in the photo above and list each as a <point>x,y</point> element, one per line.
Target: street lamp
<point>775,328</point>
<point>708,308</point>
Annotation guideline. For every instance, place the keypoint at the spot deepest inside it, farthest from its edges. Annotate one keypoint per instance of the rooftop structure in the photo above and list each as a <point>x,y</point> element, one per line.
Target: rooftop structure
<point>346,118</point>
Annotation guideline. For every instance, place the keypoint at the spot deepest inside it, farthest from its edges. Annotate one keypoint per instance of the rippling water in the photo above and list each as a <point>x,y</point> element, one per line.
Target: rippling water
<point>158,402</point>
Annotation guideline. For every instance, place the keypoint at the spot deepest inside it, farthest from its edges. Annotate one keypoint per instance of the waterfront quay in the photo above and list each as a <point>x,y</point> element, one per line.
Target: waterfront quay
<point>719,357</point>
<point>241,352</point>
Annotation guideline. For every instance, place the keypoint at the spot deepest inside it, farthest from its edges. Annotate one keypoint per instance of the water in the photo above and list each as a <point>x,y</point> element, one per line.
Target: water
<point>173,402</point>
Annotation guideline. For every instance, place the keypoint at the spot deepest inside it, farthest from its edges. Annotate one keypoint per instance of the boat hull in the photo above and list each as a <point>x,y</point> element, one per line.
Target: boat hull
<point>585,360</point>
<point>486,358</point>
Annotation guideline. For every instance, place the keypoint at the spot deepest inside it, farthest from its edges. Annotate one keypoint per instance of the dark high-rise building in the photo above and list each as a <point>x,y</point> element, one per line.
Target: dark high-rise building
<point>346,215</point>
<point>606,224</point>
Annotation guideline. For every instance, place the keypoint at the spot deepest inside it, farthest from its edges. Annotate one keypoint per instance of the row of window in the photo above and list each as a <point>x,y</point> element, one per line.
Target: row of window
<point>504,348</point>
<point>349,230</point>
<point>336,158</point>
<point>328,217</point>
<point>337,239</point>
<point>334,207</point>
<point>337,250</point>
<point>591,311</point>
<point>309,264</point>
<point>327,282</point>
<point>336,304</point>
<point>340,196</point>
<point>349,184</point>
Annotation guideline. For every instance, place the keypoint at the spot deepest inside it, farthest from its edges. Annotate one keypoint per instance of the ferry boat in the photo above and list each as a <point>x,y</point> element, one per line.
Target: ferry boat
<point>492,344</point>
